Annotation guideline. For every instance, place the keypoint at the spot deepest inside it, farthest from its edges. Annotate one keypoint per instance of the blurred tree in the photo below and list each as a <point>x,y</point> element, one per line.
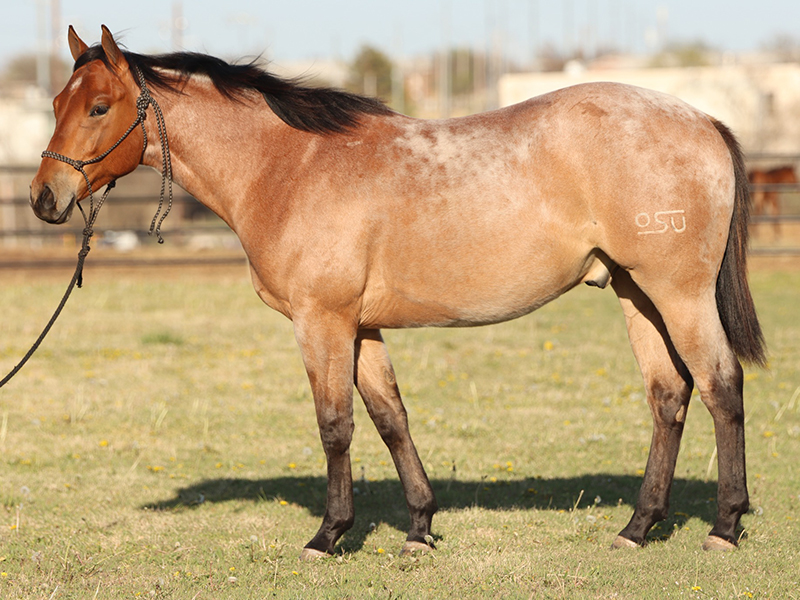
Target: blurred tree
<point>785,46</point>
<point>22,70</point>
<point>550,59</point>
<point>371,74</point>
<point>691,54</point>
<point>462,69</point>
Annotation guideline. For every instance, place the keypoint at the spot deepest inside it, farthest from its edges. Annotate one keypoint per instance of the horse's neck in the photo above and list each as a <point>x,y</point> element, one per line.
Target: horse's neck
<point>216,145</point>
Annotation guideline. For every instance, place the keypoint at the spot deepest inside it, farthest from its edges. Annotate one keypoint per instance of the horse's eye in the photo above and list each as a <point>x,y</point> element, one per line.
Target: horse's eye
<point>99,110</point>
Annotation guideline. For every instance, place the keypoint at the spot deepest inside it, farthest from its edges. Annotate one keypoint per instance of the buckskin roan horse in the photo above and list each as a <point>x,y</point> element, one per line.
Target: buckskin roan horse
<point>355,218</point>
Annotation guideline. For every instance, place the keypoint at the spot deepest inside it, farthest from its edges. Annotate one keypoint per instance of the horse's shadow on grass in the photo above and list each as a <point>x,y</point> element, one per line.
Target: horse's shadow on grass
<point>383,502</point>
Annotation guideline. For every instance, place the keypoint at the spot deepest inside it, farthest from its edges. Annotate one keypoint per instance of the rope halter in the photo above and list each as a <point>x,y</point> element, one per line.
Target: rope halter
<point>142,103</point>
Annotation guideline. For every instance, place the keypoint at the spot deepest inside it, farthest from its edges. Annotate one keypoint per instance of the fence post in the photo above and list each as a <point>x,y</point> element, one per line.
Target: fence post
<point>9,212</point>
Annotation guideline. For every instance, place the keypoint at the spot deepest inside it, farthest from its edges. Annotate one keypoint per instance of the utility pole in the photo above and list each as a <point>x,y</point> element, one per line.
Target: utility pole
<point>43,79</point>
<point>534,34</point>
<point>178,25</point>
<point>568,16</point>
<point>56,74</point>
<point>492,60</point>
<point>444,63</point>
<point>398,77</point>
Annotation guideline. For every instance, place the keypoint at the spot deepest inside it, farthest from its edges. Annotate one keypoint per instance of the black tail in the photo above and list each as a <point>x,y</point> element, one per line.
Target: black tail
<point>734,302</point>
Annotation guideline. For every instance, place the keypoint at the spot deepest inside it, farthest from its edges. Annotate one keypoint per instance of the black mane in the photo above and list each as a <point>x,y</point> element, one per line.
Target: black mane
<point>316,110</point>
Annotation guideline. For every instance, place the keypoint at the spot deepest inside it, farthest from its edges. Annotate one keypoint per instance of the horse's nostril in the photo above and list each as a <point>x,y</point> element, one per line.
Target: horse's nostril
<point>47,199</point>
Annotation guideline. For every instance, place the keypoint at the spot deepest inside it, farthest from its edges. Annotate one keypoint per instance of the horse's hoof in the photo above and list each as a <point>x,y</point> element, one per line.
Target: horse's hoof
<point>717,544</point>
<point>309,554</point>
<point>410,548</point>
<point>623,542</point>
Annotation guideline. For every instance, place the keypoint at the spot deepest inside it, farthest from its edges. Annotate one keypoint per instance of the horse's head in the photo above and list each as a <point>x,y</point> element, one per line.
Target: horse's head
<point>93,111</point>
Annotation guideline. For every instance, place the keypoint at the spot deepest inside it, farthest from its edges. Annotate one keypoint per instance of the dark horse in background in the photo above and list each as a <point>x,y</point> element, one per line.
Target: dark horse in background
<point>355,218</point>
<point>766,192</point>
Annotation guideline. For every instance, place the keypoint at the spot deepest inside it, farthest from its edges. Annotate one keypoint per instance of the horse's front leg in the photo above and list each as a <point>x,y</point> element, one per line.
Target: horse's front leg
<point>327,344</point>
<point>375,380</point>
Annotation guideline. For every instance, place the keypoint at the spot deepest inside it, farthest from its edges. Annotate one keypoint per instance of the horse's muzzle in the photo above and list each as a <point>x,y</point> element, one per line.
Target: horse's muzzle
<point>45,206</point>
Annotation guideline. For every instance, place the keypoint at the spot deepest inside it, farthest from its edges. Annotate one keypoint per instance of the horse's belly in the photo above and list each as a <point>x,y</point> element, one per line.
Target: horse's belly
<point>396,311</point>
<point>462,299</point>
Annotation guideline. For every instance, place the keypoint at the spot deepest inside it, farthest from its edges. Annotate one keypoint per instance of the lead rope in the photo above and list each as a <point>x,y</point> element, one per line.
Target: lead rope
<point>77,278</point>
<point>166,165</point>
<point>142,102</point>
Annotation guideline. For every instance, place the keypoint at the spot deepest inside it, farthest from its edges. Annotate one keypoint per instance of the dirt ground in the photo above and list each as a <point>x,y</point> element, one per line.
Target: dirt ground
<point>102,264</point>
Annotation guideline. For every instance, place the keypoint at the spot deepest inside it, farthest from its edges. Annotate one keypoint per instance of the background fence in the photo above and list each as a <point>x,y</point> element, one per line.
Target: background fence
<point>194,235</point>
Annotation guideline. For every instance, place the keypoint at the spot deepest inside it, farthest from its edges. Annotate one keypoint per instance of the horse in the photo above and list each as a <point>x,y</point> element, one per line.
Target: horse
<point>355,219</point>
<point>766,191</point>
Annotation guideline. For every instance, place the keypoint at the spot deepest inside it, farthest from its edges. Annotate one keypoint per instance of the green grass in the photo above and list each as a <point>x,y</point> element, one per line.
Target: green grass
<point>163,444</point>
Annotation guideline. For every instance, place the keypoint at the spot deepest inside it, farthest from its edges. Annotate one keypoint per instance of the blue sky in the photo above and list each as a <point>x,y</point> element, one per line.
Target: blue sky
<point>286,30</point>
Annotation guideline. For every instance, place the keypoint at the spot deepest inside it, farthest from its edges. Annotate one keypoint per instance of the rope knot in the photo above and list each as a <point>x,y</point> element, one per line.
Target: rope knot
<point>142,102</point>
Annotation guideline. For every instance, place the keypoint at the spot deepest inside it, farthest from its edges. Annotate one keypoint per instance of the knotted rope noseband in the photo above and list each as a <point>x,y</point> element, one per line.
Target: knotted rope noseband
<point>142,102</point>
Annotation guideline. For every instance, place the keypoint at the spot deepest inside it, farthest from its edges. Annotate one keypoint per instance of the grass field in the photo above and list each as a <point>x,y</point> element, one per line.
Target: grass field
<point>162,444</point>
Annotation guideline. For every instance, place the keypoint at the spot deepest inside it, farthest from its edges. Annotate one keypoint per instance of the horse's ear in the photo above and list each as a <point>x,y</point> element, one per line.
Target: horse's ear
<point>113,53</point>
<point>76,45</point>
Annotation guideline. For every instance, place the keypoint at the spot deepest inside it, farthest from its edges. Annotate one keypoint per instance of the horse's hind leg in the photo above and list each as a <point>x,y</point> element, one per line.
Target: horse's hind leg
<point>375,380</point>
<point>696,331</point>
<point>669,387</point>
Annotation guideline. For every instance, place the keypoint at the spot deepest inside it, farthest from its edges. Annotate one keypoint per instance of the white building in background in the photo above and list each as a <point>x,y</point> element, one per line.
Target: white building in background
<point>761,103</point>
<point>26,125</point>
